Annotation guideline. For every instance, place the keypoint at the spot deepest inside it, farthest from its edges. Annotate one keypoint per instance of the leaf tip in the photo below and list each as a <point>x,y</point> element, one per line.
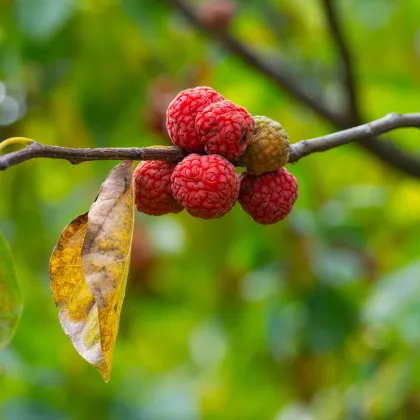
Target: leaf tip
<point>106,375</point>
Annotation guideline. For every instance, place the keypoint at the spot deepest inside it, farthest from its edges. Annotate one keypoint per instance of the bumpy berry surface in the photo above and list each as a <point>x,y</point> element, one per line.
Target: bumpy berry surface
<point>268,149</point>
<point>181,115</point>
<point>152,188</point>
<point>269,197</point>
<point>224,128</point>
<point>207,186</point>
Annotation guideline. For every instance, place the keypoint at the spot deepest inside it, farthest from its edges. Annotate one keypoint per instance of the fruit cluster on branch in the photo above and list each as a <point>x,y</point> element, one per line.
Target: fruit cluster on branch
<point>212,129</point>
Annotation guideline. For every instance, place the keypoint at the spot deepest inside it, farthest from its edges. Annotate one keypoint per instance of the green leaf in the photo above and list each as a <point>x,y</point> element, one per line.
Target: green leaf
<point>333,317</point>
<point>11,303</point>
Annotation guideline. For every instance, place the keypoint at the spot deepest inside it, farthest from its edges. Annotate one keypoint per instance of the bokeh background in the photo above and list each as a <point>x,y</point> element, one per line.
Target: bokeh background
<point>315,318</point>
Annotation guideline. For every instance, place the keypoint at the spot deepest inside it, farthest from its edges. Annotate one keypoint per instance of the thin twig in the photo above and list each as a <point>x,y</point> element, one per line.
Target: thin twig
<point>365,132</point>
<point>79,155</point>
<point>298,150</point>
<point>346,58</point>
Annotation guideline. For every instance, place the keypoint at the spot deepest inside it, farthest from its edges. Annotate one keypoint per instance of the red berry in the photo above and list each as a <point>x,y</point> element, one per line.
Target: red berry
<point>269,197</point>
<point>181,114</point>
<point>152,188</point>
<point>207,186</point>
<point>225,128</point>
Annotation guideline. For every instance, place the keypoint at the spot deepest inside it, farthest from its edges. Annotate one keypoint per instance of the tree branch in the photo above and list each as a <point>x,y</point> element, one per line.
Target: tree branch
<point>75,156</point>
<point>344,52</point>
<point>365,132</point>
<point>286,79</point>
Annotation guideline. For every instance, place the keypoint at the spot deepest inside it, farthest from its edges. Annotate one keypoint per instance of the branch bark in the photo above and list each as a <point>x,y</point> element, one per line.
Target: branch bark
<point>298,150</point>
<point>79,155</point>
<point>365,132</point>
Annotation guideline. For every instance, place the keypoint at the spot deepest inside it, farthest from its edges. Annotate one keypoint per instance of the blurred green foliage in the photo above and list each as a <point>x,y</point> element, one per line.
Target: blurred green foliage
<point>11,303</point>
<point>315,318</point>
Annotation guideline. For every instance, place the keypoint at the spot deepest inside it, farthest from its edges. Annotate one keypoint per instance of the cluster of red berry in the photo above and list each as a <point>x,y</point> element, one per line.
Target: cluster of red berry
<point>213,130</point>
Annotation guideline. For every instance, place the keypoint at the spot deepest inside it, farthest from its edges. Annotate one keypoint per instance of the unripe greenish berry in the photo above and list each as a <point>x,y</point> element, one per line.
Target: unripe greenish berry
<point>268,149</point>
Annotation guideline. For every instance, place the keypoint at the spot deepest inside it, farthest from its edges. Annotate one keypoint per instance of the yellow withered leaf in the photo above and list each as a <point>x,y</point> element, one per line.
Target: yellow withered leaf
<point>78,310</point>
<point>89,269</point>
<point>106,252</point>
